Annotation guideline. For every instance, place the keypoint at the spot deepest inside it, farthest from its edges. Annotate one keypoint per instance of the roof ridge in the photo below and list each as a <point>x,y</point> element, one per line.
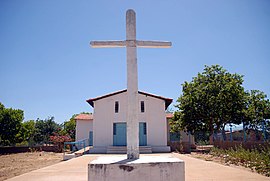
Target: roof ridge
<point>168,101</point>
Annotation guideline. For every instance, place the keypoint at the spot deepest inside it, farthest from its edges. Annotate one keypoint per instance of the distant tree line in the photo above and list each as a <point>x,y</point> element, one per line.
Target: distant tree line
<point>15,131</point>
<point>216,98</point>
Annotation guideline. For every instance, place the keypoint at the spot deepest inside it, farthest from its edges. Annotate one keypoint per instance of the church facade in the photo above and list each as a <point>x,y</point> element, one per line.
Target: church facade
<point>106,127</point>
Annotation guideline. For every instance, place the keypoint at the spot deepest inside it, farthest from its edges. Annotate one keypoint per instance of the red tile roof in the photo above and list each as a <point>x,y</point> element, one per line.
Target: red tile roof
<point>84,117</point>
<point>169,115</point>
<point>168,101</point>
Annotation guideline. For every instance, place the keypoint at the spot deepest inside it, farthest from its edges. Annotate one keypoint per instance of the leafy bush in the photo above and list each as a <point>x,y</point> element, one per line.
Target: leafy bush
<point>257,159</point>
<point>59,140</point>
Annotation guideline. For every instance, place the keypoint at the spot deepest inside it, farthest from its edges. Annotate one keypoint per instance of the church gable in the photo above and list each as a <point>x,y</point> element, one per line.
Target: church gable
<point>168,101</point>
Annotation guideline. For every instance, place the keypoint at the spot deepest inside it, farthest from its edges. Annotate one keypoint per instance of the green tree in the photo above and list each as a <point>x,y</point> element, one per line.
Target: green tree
<point>175,123</point>
<point>210,101</point>
<point>257,109</point>
<point>10,124</point>
<point>27,132</point>
<point>70,127</point>
<point>44,129</point>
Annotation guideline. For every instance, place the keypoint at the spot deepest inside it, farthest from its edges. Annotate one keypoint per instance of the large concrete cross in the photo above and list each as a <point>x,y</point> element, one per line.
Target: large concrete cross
<point>131,45</point>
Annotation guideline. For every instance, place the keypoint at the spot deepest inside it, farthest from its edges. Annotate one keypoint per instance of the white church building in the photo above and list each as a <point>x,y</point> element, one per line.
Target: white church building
<point>106,127</point>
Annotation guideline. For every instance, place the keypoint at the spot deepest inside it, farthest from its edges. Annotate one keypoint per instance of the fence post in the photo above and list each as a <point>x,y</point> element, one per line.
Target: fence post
<point>244,132</point>
<point>231,132</point>
<point>189,142</point>
<point>83,146</point>
<point>264,131</point>
<point>64,148</point>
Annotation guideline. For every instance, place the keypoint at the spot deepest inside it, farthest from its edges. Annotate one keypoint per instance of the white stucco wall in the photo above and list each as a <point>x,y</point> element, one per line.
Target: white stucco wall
<point>104,117</point>
<point>155,117</point>
<point>83,127</point>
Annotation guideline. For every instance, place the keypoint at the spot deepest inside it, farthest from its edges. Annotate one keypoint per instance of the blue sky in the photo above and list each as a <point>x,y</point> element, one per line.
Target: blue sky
<point>47,67</point>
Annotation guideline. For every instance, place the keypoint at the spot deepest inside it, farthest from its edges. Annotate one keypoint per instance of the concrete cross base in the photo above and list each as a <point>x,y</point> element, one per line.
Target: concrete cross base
<point>146,168</point>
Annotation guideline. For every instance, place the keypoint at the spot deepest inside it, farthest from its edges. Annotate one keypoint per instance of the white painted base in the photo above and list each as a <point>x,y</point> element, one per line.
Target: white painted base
<point>161,149</point>
<point>146,168</point>
<point>98,149</point>
<point>68,156</point>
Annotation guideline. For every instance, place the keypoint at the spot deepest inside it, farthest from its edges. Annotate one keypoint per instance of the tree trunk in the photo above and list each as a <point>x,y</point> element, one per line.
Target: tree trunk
<point>224,138</point>
<point>211,138</point>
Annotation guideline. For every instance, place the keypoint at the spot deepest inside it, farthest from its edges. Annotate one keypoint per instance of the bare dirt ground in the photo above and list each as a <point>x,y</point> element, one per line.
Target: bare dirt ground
<point>12,165</point>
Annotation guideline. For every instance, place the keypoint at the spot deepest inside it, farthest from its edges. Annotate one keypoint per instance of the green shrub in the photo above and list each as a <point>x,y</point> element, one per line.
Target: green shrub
<point>257,159</point>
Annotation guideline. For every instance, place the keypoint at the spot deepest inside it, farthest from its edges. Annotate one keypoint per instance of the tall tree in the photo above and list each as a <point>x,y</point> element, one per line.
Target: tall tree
<point>44,129</point>
<point>70,127</point>
<point>27,132</point>
<point>257,109</point>
<point>10,124</point>
<point>211,100</point>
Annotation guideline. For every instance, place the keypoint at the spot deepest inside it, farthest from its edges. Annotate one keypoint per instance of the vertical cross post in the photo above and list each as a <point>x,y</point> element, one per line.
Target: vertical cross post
<point>132,88</point>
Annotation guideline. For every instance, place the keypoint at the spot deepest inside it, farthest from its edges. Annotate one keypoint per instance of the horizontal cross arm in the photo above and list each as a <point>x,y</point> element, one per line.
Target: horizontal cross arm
<point>154,44</point>
<point>107,44</point>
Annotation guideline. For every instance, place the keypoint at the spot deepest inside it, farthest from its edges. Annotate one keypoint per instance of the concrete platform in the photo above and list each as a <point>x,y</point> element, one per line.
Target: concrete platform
<point>195,169</point>
<point>78,153</point>
<point>146,168</point>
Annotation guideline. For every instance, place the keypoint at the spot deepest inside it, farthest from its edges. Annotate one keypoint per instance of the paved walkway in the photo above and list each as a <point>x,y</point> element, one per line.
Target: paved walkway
<point>196,170</point>
<point>200,170</point>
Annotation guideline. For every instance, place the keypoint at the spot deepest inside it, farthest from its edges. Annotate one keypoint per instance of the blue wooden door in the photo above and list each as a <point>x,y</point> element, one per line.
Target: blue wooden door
<point>142,134</point>
<point>119,134</point>
<point>90,138</point>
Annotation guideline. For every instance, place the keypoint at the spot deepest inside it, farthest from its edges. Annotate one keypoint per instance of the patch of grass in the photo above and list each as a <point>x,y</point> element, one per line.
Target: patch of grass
<point>257,159</point>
